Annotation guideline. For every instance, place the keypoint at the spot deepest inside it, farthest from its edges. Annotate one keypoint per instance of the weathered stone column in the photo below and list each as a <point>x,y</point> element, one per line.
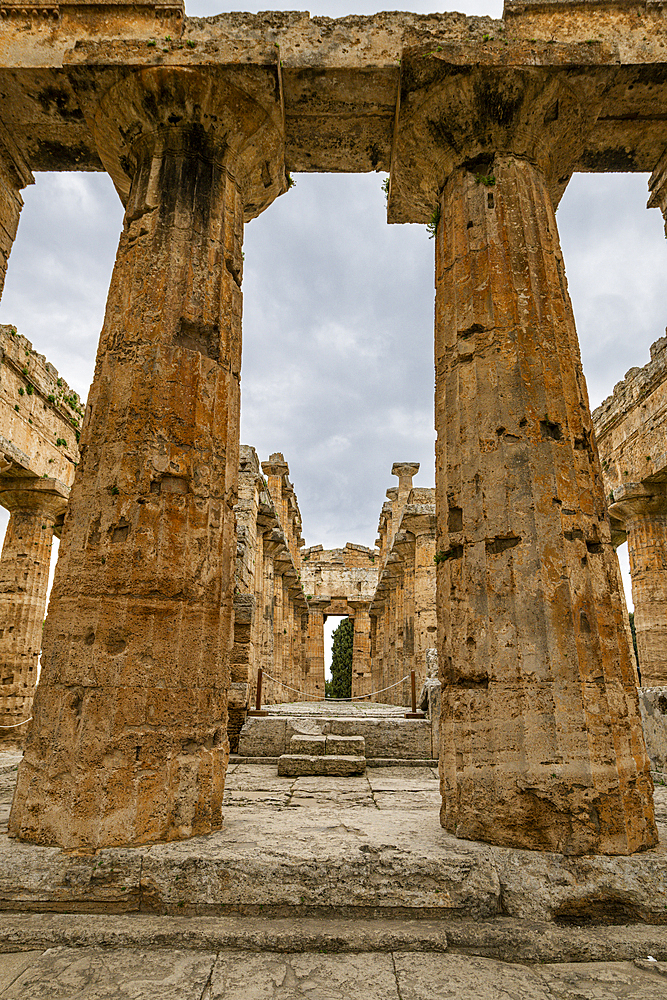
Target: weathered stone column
<point>272,545</point>
<point>543,745</point>
<point>643,510</point>
<point>129,741</point>
<point>14,175</point>
<point>404,544</point>
<point>315,651</point>
<point>24,577</point>
<point>361,649</point>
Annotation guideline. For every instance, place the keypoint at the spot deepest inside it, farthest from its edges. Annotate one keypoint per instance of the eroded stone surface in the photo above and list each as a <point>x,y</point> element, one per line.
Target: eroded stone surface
<point>127,974</point>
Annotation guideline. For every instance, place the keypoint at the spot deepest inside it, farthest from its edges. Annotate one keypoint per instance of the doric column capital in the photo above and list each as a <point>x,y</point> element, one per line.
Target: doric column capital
<point>405,471</point>
<point>638,500</point>
<point>657,186</point>
<point>211,113</point>
<point>45,497</point>
<point>275,466</point>
<point>459,109</point>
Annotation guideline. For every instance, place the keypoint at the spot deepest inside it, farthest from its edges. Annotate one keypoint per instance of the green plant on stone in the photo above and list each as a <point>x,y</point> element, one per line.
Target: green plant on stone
<point>487,180</point>
<point>432,226</point>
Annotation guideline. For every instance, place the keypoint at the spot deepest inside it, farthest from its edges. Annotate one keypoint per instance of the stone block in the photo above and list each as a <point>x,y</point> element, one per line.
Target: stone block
<point>296,765</point>
<point>309,745</point>
<point>346,745</point>
<point>653,707</point>
<point>262,736</point>
<point>388,737</point>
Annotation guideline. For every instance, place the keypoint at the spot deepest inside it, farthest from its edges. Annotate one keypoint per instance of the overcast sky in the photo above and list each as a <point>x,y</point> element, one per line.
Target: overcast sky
<point>338,313</point>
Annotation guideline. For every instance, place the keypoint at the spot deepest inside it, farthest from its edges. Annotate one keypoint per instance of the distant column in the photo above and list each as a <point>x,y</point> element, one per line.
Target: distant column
<point>362,682</point>
<point>34,505</point>
<point>315,651</point>
<point>643,510</point>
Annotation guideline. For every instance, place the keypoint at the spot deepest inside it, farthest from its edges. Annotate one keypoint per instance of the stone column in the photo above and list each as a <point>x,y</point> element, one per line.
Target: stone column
<point>129,743</point>
<point>404,544</point>
<point>315,651</point>
<point>643,510</point>
<point>14,175</point>
<point>426,623</point>
<point>34,505</point>
<point>543,745</point>
<point>272,545</point>
<point>405,472</point>
<point>361,649</point>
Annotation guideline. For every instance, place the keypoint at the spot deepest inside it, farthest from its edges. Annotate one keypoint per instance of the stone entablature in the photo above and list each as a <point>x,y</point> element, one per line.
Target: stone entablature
<point>346,573</point>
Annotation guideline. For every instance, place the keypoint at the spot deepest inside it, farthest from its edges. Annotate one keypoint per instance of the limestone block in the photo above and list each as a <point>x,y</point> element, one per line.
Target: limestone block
<point>653,707</point>
<point>342,745</point>
<point>301,727</point>
<point>396,737</point>
<point>262,736</point>
<point>295,765</point>
<point>112,974</point>
<point>245,975</point>
<point>310,745</point>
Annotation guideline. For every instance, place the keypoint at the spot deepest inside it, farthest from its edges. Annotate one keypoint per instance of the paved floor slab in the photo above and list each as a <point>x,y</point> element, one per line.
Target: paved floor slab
<point>13,964</point>
<point>113,974</point>
<point>247,976</point>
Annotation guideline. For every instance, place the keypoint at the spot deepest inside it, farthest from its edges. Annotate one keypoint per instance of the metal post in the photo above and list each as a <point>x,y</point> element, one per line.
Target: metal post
<point>413,714</point>
<point>258,710</point>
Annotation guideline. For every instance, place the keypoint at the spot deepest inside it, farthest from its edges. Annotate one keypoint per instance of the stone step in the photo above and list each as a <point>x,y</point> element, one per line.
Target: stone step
<point>293,765</point>
<point>320,745</point>
<point>506,939</point>
<point>388,737</point>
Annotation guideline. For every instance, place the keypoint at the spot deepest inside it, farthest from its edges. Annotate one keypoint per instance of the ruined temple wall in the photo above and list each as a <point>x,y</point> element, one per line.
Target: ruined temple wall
<point>403,609</point>
<point>40,416</point>
<point>631,432</point>
<point>269,603</point>
<point>631,425</point>
<point>40,421</point>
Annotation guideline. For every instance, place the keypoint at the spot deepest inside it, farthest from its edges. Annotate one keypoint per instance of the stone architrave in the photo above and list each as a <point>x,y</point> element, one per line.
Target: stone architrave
<point>129,740</point>
<point>542,738</point>
<point>34,505</point>
<point>643,510</point>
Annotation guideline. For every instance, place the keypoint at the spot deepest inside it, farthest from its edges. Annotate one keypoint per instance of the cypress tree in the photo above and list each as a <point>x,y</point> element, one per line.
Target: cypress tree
<point>341,660</point>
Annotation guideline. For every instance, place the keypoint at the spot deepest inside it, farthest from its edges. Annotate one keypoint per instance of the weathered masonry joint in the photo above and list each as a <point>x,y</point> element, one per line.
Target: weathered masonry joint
<point>480,123</point>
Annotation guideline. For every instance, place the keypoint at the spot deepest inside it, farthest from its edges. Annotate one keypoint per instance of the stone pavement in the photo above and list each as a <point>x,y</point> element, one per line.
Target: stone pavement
<point>179,974</point>
<point>278,907</point>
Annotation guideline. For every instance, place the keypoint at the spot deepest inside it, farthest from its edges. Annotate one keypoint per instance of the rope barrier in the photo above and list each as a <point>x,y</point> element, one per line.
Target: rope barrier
<point>358,697</point>
<point>17,724</point>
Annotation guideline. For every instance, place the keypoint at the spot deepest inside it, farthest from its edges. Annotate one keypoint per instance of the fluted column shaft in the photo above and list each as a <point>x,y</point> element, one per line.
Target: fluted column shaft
<point>24,580</point>
<point>129,743</point>
<point>543,746</point>
<point>315,675</point>
<point>645,520</point>
<point>361,652</point>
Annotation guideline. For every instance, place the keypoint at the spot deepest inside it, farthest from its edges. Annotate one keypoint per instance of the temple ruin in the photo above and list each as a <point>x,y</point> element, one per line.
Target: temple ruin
<point>158,607</point>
